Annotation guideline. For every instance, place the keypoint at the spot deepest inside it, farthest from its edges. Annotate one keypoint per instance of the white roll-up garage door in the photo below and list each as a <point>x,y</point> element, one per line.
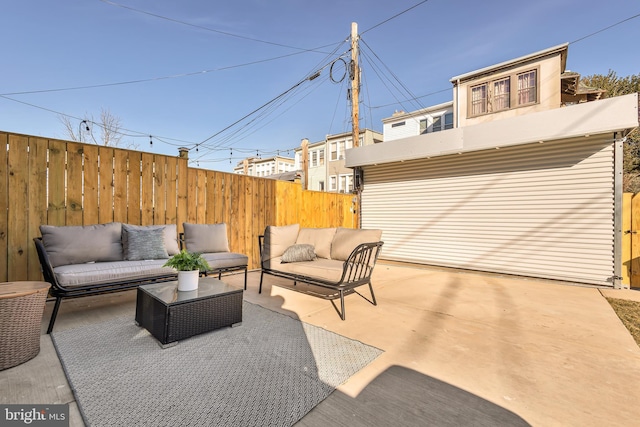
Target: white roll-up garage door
<point>540,210</point>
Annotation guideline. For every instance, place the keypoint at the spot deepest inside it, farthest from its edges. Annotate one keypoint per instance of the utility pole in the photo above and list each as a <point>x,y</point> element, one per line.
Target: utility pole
<point>305,163</point>
<point>354,71</point>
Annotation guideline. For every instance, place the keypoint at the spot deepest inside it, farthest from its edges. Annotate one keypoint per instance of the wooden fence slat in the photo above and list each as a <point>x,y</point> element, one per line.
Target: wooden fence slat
<point>17,239</point>
<point>4,207</point>
<point>146,194</point>
<point>159,190</point>
<point>90,206</point>
<point>134,191</point>
<point>120,177</point>
<point>37,199</point>
<point>192,192</point>
<point>74,184</point>
<point>171,211</point>
<point>57,176</point>
<point>634,262</point>
<point>105,196</point>
<point>201,196</point>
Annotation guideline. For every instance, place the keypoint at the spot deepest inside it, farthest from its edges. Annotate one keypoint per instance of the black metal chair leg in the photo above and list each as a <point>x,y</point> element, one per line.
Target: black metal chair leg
<point>261,276</point>
<point>56,307</point>
<point>373,297</point>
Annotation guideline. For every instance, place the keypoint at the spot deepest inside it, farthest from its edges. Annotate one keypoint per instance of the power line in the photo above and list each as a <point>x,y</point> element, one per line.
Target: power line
<point>393,17</point>
<point>226,33</point>
<point>604,29</point>
<point>195,73</point>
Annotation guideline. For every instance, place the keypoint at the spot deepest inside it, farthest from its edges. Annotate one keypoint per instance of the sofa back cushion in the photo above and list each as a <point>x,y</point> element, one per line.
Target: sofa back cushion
<point>77,244</point>
<point>319,238</point>
<point>206,238</point>
<point>170,235</point>
<point>346,240</point>
<point>277,239</point>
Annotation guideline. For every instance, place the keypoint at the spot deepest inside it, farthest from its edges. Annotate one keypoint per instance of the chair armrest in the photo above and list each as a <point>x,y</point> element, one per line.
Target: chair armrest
<point>358,267</point>
<point>45,263</point>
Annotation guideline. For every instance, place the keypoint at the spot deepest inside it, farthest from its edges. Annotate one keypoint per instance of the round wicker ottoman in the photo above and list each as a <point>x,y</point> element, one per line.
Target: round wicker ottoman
<point>21,309</point>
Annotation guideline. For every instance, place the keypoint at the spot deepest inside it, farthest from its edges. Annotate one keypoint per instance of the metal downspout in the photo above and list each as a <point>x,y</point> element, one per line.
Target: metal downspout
<point>618,145</point>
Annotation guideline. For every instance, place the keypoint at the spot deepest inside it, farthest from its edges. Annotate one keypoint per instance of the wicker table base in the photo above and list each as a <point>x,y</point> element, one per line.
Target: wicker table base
<point>21,308</point>
<point>171,315</point>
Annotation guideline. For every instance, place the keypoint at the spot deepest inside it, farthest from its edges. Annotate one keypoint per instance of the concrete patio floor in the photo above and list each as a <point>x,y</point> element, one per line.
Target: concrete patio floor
<point>552,354</point>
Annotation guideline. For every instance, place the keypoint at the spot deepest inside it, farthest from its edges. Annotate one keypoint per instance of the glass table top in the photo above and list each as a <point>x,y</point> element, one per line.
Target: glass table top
<point>207,287</point>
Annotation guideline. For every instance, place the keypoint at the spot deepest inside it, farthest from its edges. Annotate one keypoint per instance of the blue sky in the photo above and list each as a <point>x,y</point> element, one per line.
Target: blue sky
<point>201,66</point>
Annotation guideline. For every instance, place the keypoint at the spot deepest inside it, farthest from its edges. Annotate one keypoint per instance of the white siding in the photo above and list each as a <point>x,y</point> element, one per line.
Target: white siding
<point>542,210</point>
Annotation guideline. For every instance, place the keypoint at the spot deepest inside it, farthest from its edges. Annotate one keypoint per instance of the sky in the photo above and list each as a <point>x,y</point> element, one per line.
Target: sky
<point>233,79</point>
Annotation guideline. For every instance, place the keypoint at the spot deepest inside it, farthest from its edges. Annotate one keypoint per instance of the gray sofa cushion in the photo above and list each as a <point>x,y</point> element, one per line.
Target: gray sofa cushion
<point>170,235</point>
<point>346,240</point>
<point>320,238</point>
<point>277,239</point>
<point>206,238</point>
<point>79,244</point>
<point>225,259</point>
<point>298,253</point>
<point>94,273</point>
<point>144,244</point>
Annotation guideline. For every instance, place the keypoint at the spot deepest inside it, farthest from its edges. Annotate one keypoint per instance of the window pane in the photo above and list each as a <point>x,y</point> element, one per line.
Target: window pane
<point>437,124</point>
<point>423,126</point>
<point>334,151</point>
<point>321,161</point>
<point>479,100</point>
<point>527,87</point>
<point>448,121</point>
<point>501,94</point>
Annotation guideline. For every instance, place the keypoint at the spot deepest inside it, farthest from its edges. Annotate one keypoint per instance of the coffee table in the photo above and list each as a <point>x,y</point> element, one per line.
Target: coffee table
<point>171,315</point>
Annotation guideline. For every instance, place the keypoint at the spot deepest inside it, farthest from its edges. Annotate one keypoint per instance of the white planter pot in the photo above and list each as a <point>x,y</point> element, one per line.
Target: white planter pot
<point>188,280</point>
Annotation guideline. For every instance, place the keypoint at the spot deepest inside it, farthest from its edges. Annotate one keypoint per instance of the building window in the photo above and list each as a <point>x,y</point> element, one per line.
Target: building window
<point>437,124</point>
<point>314,159</point>
<point>395,125</point>
<point>424,125</point>
<point>321,185</point>
<point>448,121</point>
<point>346,183</point>
<point>333,183</point>
<point>321,157</point>
<point>501,94</point>
<point>333,150</point>
<point>341,150</point>
<point>496,95</point>
<point>479,100</point>
<point>527,87</point>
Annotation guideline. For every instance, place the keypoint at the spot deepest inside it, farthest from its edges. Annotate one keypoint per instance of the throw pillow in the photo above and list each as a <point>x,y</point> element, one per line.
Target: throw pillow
<point>298,253</point>
<point>206,238</point>
<point>170,235</point>
<point>145,244</point>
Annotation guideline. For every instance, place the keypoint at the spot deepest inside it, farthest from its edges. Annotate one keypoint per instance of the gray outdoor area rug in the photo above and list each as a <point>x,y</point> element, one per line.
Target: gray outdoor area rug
<point>269,371</point>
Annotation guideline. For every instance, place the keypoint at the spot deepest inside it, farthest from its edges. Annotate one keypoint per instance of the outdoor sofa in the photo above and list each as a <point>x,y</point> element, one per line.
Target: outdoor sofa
<point>330,262</point>
<point>95,259</point>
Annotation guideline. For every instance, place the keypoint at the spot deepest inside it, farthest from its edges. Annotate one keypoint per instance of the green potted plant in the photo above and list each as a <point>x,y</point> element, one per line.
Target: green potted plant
<point>189,266</point>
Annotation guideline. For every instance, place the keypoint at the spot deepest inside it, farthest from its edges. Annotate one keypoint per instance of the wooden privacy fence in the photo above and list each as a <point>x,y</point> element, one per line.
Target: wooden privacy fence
<point>48,181</point>
<point>631,240</point>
